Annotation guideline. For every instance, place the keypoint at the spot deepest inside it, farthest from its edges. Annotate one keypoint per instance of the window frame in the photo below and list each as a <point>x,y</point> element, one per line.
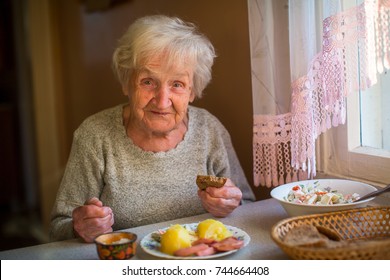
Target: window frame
<point>341,154</point>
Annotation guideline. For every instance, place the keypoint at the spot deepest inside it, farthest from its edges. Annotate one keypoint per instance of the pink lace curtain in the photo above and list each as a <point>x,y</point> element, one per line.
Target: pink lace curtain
<point>327,45</point>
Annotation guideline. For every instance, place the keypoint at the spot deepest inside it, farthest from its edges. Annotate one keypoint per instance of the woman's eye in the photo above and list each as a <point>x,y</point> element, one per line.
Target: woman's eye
<point>147,83</point>
<point>178,85</point>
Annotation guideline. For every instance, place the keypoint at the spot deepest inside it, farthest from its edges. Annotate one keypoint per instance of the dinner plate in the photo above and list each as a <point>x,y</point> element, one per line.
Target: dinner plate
<point>152,246</point>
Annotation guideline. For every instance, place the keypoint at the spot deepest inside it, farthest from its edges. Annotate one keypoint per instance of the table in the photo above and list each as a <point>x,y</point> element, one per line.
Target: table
<point>255,218</point>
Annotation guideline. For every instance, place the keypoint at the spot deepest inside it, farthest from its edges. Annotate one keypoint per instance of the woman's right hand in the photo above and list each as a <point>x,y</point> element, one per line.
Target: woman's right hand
<point>92,219</point>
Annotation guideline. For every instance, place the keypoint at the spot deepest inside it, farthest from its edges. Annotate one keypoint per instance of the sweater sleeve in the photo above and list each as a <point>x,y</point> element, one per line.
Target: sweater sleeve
<point>82,180</point>
<point>237,174</point>
<point>225,161</point>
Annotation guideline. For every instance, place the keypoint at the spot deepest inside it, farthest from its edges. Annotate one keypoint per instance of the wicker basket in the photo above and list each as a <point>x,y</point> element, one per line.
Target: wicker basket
<point>371,225</point>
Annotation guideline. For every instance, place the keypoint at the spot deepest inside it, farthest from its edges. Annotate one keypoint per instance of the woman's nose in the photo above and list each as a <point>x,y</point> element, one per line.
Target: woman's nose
<point>163,97</point>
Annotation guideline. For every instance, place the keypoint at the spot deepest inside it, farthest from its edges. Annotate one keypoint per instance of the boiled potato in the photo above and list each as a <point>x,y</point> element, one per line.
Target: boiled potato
<point>212,229</point>
<point>176,237</point>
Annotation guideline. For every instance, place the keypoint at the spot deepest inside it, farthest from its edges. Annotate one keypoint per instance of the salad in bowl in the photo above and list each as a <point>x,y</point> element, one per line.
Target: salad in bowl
<point>321,196</point>
<point>316,195</point>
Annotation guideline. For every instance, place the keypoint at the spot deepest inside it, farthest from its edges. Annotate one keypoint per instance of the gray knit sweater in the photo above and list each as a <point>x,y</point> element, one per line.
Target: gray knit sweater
<point>142,187</point>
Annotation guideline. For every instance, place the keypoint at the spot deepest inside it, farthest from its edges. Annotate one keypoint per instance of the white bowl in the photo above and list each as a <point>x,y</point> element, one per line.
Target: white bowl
<point>343,186</point>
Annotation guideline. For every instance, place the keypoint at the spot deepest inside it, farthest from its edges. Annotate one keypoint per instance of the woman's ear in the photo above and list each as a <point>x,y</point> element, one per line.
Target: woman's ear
<point>126,90</point>
<point>128,86</point>
<point>192,96</point>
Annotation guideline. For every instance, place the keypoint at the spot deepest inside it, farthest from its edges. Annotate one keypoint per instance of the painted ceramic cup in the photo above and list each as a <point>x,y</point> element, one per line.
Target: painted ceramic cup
<point>116,245</point>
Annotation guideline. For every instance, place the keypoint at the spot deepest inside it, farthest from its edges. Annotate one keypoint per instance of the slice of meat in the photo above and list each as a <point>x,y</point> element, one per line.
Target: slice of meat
<point>189,251</point>
<point>228,244</point>
<point>206,252</point>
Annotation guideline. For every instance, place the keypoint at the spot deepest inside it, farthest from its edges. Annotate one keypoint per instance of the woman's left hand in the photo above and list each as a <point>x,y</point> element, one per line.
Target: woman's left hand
<point>220,202</point>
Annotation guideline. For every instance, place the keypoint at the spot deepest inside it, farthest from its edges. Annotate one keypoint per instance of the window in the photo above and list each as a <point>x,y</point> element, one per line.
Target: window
<point>360,148</point>
<point>375,114</point>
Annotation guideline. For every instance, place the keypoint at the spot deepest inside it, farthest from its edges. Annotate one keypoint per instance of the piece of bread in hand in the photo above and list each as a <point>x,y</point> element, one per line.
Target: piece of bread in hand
<point>204,181</point>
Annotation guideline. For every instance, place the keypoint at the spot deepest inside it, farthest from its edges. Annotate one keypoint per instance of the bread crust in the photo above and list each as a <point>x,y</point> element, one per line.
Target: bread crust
<point>305,235</point>
<point>314,236</point>
<point>204,181</point>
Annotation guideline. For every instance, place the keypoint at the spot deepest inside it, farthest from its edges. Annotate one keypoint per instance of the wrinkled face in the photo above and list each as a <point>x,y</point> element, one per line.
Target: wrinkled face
<point>160,97</point>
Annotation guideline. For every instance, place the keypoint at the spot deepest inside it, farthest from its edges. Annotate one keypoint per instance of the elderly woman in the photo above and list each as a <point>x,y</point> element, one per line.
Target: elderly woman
<point>137,163</point>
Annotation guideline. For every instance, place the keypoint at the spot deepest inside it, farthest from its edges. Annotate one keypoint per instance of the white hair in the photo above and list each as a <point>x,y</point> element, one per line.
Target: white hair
<point>175,39</point>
